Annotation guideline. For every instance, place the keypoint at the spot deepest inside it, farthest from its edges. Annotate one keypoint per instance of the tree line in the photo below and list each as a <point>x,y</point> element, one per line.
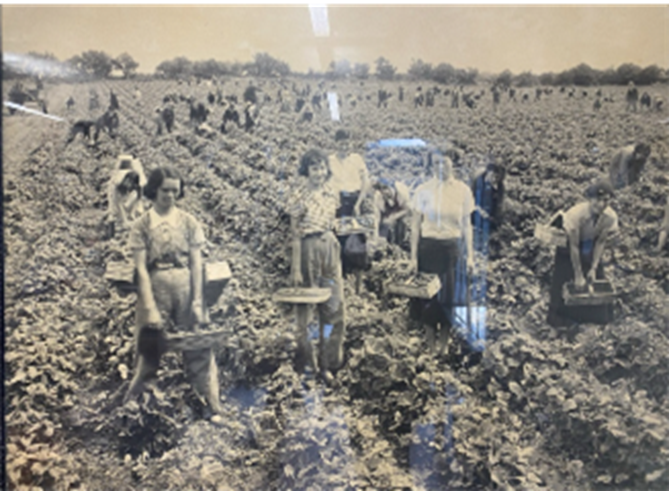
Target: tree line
<point>98,64</point>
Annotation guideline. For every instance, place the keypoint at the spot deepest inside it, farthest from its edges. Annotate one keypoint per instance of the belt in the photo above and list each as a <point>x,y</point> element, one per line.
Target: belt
<point>315,235</point>
<point>164,265</point>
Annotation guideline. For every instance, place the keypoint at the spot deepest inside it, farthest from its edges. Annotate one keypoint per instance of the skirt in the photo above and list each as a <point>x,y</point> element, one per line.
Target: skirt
<point>561,315</point>
<point>437,257</point>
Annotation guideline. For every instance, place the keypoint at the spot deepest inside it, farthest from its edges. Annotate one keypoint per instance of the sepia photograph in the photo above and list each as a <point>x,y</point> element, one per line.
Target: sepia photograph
<point>336,247</point>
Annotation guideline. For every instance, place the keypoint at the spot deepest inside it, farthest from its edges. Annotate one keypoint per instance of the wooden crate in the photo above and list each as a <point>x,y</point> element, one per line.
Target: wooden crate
<point>302,295</point>
<point>120,272</point>
<point>550,235</point>
<point>597,293</point>
<point>216,276</point>
<point>414,289</point>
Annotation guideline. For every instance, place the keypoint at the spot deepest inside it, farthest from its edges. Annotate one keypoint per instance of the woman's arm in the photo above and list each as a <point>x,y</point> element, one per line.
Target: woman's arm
<point>296,261</point>
<point>416,220</point>
<point>600,243</point>
<point>575,256</point>
<point>145,289</point>
<point>197,280</point>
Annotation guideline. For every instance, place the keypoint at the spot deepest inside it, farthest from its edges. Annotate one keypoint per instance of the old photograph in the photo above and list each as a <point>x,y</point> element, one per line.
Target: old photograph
<point>336,247</point>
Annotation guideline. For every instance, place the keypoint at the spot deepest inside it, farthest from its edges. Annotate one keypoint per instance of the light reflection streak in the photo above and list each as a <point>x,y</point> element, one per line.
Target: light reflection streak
<point>319,20</point>
<point>33,111</point>
<point>333,103</point>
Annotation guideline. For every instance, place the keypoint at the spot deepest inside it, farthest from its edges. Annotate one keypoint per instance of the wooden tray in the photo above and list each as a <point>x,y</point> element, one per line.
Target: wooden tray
<point>412,288</point>
<point>363,224</point>
<point>550,235</point>
<point>597,293</point>
<point>216,275</point>
<point>196,341</point>
<point>302,295</point>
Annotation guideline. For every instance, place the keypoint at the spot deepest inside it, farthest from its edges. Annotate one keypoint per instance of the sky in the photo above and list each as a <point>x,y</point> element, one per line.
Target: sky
<point>489,38</point>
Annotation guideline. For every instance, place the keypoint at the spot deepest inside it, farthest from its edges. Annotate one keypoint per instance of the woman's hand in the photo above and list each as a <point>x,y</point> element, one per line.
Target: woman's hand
<point>579,282</point>
<point>592,275</point>
<point>198,311</point>
<point>296,277</point>
<point>153,317</point>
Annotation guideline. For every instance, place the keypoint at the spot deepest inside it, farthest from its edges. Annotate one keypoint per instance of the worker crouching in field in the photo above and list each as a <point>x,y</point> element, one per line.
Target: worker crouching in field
<point>441,226</point>
<point>627,165</point>
<point>124,196</point>
<point>316,258</point>
<point>392,208</point>
<point>588,225</point>
<point>167,244</point>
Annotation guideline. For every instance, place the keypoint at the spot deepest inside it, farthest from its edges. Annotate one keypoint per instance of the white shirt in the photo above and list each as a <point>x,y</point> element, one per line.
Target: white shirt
<point>347,174</point>
<point>446,207</point>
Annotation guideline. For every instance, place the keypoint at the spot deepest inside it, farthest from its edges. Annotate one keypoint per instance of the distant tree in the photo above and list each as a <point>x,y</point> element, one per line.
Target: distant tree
<point>466,77</point>
<point>175,68</point>
<point>268,66</point>
<point>608,77</point>
<point>361,70</point>
<point>650,75</point>
<point>420,70</point>
<point>547,78</point>
<point>583,75</point>
<point>628,72</point>
<point>443,73</point>
<point>384,70</point>
<point>525,79</point>
<point>96,63</point>
<point>339,69</point>
<point>504,79</point>
<point>44,56</point>
<point>126,64</point>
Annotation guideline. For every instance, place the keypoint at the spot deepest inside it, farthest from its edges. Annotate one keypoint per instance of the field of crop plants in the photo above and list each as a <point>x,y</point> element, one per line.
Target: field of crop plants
<point>539,408</point>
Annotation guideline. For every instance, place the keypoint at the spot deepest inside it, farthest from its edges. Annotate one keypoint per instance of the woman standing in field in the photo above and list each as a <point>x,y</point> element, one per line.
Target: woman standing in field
<point>589,226</point>
<point>316,258</point>
<point>167,244</point>
<point>440,227</point>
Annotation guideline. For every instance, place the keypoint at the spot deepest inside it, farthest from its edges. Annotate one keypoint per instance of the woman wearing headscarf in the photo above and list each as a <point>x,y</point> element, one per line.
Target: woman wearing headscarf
<point>589,226</point>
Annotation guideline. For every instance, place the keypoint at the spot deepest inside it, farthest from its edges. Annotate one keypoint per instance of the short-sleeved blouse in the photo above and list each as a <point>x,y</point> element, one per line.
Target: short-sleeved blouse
<point>314,209</point>
<point>167,239</point>
<point>579,218</point>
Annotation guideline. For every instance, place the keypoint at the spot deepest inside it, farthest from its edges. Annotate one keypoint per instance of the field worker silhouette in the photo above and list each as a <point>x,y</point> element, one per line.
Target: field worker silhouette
<point>124,196</point>
<point>627,165</point>
<point>392,209</point>
<point>664,229</point>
